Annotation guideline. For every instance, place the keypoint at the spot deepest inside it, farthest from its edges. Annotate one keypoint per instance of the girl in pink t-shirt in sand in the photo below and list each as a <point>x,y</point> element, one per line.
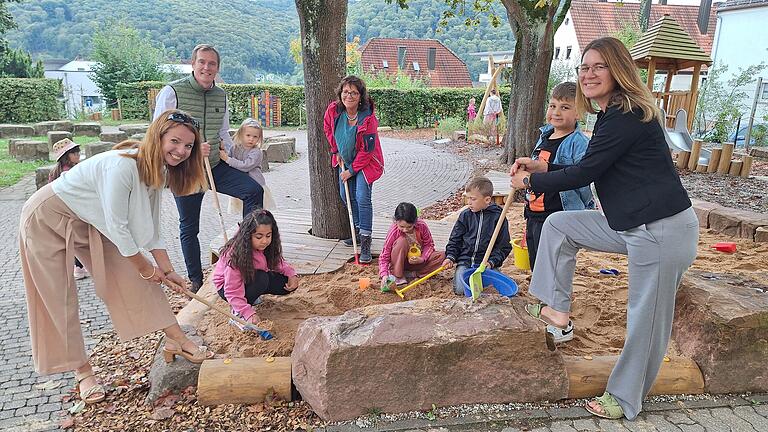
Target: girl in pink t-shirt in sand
<point>252,264</point>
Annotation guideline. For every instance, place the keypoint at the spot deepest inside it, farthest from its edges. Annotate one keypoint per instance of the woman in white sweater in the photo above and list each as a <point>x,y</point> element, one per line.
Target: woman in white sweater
<point>103,211</point>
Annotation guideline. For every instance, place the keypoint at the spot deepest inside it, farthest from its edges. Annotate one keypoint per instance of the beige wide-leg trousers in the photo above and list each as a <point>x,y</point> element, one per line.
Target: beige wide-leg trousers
<point>50,236</point>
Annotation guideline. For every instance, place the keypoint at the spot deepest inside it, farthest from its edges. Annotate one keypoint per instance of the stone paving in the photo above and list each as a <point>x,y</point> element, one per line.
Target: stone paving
<point>29,402</point>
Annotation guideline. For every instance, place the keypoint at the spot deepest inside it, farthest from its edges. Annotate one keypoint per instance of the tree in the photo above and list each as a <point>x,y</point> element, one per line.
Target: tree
<point>323,33</point>
<point>123,56</point>
<point>18,63</point>
<point>6,19</point>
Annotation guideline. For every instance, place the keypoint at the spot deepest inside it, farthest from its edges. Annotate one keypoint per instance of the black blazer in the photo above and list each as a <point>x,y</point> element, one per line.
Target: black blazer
<point>632,169</point>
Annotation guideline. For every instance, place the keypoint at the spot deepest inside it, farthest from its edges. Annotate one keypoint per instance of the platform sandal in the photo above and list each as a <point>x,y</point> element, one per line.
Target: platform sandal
<point>197,357</point>
<point>93,394</point>
<point>610,406</point>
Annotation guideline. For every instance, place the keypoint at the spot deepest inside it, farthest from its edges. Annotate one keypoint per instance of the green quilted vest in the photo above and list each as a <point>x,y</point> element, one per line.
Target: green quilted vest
<point>207,106</point>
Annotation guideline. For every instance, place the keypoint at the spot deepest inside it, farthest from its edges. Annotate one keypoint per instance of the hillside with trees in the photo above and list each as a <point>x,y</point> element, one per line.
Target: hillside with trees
<point>253,36</point>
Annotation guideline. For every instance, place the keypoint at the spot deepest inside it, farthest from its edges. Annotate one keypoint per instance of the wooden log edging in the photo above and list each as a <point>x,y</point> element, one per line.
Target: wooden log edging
<point>243,380</point>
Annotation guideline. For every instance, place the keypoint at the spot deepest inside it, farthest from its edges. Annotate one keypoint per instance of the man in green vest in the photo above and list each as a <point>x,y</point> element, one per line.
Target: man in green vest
<point>199,95</point>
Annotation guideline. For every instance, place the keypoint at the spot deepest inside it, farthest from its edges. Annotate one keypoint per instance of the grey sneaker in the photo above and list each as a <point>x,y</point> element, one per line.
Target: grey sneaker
<point>561,335</point>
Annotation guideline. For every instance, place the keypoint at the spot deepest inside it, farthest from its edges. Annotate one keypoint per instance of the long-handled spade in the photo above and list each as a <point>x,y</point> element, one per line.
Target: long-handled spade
<point>400,292</point>
<point>476,278</point>
<point>215,197</point>
<point>351,219</point>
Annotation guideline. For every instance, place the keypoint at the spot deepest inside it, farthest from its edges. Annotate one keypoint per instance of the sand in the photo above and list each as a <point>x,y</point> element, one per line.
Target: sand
<point>599,306</point>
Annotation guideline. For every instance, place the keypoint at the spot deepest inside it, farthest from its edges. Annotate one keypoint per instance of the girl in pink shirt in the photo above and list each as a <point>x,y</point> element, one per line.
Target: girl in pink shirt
<point>252,264</point>
<point>409,250</point>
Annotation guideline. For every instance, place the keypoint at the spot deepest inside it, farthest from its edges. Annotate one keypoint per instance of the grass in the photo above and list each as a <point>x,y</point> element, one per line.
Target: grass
<point>11,170</point>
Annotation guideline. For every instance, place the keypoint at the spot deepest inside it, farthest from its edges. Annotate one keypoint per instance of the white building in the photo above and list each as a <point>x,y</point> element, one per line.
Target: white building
<point>81,94</point>
<point>741,40</point>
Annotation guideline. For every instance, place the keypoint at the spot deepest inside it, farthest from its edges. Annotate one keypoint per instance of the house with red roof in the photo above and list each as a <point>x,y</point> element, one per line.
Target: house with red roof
<point>424,59</point>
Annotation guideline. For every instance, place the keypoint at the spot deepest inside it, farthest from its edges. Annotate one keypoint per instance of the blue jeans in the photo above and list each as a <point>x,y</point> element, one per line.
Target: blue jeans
<point>362,207</point>
<point>229,181</point>
<point>458,282</point>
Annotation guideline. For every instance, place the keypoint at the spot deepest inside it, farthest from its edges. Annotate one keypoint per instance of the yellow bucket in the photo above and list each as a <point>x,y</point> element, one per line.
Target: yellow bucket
<point>521,255</point>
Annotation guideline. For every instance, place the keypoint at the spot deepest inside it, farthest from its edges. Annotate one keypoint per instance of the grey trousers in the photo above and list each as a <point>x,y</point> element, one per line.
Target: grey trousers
<point>658,254</point>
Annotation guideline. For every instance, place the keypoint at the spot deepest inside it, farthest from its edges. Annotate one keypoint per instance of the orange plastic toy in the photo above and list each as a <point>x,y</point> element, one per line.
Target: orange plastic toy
<point>729,247</point>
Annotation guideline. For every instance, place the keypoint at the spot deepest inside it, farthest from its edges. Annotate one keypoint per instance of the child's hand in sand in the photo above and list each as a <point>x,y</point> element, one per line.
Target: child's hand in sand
<point>447,263</point>
<point>292,284</point>
<point>254,319</point>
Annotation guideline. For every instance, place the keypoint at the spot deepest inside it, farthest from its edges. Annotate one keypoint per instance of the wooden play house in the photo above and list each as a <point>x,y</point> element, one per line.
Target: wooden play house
<point>667,47</point>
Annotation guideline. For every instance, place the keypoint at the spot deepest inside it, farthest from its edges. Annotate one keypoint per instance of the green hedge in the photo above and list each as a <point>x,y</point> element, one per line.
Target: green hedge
<point>394,107</point>
<point>29,100</point>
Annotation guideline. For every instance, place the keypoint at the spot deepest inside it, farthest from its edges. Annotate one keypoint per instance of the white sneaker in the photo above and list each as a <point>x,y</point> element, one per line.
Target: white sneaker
<point>561,335</point>
<point>80,273</point>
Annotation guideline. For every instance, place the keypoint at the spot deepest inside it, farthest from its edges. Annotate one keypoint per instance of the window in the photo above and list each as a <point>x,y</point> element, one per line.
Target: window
<point>416,66</point>
<point>384,64</point>
<point>431,54</point>
<point>764,91</point>
<point>568,53</point>
<point>557,52</point>
<point>401,57</point>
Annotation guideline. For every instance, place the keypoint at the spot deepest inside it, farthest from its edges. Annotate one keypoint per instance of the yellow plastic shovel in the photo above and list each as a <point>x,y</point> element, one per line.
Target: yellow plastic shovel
<point>476,278</point>
<point>416,282</point>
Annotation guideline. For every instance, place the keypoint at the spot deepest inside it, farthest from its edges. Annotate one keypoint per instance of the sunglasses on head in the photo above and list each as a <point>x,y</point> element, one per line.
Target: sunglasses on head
<point>183,118</point>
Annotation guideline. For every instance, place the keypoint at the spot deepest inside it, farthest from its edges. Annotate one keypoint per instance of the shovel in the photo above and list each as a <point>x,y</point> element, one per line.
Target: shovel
<point>476,278</point>
<point>416,282</point>
<point>351,219</point>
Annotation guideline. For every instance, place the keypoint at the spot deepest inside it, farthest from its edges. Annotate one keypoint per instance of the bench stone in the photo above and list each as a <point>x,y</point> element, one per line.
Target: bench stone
<point>736,223</point>
<point>703,209</point>
<point>721,322</point>
<point>407,356</point>
<point>138,136</point>
<point>761,234</point>
<point>279,149</point>
<point>28,150</point>
<point>42,128</point>
<point>56,136</point>
<point>459,135</point>
<point>131,129</point>
<point>113,137</point>
<point>16,131</point>
<point>97,147</point>
<point>86,129</point>
<point>41,175</point>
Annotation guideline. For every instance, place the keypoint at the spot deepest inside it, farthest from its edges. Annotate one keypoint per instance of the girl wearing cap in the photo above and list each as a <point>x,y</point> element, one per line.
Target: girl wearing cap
<point>67,155</point>
<point>104,210</point>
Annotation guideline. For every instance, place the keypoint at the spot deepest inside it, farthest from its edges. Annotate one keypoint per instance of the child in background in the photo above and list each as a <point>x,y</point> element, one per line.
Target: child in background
<point>246,155</point>
<point>471,110</point>
<point>408,248</point>
<point>67,155</point>
<point>252,264</point>
<point>472,233</point>
<point>562,143</point>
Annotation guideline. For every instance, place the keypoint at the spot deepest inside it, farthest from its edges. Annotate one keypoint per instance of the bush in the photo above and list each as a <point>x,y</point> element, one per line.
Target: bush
<point>419,107</point>
<point>29,100</point>
<point>447,126</point>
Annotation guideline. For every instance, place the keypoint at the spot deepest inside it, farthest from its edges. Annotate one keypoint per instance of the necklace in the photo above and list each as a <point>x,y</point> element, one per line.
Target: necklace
<point>351,119</point>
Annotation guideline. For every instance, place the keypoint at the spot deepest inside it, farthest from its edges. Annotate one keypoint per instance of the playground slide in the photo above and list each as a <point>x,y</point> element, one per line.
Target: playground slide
<point>679,139</point>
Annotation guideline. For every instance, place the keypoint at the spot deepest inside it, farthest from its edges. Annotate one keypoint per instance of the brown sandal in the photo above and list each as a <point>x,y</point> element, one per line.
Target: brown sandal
<point>196,357</point>
<point>92,395</point>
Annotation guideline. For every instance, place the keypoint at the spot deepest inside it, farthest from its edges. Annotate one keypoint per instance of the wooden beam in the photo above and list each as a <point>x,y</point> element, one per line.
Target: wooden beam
<point>695,152</point>
<point>714,160</point>
<point>651,72</point>
<point>725,159</point>
<point>746,167</point>
<point>694,95</point>
<point>243,380</point>
<point>587,378</point>
<point>682,159</point>
<point>735,168</point>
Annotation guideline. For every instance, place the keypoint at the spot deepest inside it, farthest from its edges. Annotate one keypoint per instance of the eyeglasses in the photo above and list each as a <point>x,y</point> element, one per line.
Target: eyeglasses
<point>183,118</point>
<point>350,93</point>
<point>596,68</point>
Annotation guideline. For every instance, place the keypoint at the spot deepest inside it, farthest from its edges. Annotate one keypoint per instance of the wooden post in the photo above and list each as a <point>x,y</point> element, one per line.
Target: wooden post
<point>243,380</point>
<point>695,152</point>
<point>651,72</point>
<point>701,168</point>
<point>588,378</point>
<point>725,158</point>
<point>735,168</point>
<point>682,159</point>
<point>694,95</point>
<point>714,159</point>
<point>746,167</point>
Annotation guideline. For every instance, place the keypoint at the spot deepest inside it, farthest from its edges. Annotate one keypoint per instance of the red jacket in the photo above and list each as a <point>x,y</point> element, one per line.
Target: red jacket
<point>369,158</point>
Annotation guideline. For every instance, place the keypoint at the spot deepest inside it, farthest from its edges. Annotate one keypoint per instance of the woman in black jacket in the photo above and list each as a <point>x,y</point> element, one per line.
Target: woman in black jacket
<point>648,217</point>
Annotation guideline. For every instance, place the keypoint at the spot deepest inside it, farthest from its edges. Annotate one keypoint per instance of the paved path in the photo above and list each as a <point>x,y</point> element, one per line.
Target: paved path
<point>24,407</point>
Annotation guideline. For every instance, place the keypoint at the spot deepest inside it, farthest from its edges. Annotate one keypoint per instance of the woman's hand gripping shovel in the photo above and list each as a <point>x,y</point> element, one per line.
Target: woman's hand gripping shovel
<point>476,278</point>
<point>349,212</point>
<point>246,326</point>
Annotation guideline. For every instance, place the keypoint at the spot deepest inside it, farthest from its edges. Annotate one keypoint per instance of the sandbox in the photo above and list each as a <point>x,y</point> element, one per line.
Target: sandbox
<point>599,315</point>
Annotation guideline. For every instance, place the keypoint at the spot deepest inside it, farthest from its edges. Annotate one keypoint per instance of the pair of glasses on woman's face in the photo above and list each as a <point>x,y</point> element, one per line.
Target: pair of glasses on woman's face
<point>596,68</point>
<point>350,93</point>
<point>183,118</point>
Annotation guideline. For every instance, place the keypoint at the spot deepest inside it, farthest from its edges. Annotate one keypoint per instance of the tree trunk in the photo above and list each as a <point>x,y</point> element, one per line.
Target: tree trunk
<point>534,30</point>
<point>323,35</point>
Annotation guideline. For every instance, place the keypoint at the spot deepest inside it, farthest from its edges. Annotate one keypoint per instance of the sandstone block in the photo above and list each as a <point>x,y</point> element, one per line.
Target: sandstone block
<point>43,128</point>
<point>56,136</point>
<point>702,209</point>
<point>113,137</point>
<point>280,151</point>
<point>41,175</point>
<point>725,221</point>
<point>86,129</point>
<point>761,234</point>
<point>459,135</point>
<point>131,129</point>
<point>28,150</point>
<point>407,356</point>
<point>97,147</point>
<point>721,322</point>
<point>16,131</point>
